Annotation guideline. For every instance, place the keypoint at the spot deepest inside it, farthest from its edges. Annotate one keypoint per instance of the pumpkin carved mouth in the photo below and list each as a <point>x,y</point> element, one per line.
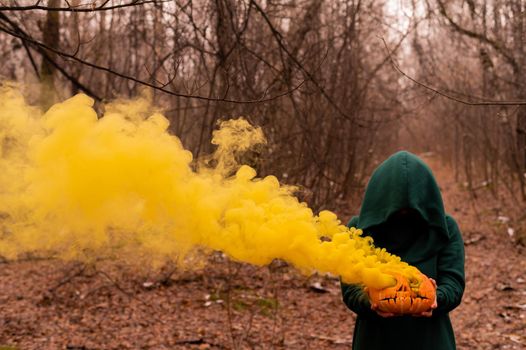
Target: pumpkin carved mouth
<point>405,297</point>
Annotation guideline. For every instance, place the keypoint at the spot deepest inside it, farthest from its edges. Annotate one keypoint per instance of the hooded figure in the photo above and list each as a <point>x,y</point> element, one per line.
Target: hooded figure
<point>403,212</point>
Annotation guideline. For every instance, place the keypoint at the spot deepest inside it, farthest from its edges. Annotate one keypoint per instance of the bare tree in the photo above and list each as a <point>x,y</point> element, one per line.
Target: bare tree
<point>312,73</point>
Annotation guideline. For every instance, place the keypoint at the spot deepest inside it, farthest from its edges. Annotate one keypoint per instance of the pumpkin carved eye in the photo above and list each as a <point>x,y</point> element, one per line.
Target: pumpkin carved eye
<point>405,297</point>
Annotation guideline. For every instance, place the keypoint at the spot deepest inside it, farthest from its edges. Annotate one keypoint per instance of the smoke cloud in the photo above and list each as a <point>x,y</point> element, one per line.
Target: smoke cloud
<point>78,187</point>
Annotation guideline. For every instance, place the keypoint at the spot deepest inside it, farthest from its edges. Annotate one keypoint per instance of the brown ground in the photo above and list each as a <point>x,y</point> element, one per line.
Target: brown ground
<point>49,305</point>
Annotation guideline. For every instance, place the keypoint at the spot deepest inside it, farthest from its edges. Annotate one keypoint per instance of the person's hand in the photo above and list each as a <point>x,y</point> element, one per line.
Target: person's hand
<point>429,312</point>
<point>375,308</point>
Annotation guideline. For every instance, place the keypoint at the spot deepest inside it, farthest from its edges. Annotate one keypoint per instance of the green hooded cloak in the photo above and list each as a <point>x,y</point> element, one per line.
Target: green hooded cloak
<point>424,237</point>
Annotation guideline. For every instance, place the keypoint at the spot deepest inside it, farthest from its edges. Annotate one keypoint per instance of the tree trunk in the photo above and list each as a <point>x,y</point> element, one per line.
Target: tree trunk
<point>51,38</point>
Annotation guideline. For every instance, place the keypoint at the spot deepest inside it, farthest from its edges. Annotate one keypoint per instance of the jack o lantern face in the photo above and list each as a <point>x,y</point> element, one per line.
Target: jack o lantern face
<point>404,297</point>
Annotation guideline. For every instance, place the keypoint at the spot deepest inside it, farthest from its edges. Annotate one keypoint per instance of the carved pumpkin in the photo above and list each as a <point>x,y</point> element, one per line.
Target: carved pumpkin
<point>406,297</point>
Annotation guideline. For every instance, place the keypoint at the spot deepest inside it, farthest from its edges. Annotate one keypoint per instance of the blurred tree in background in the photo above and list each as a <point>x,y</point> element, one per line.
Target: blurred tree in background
<point>329,81</point>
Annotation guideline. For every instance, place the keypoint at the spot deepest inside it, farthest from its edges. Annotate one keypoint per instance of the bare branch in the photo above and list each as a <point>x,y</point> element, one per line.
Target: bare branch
<point>19,33</point>
<point>279,39</point>
<point>70,8</point>
<point>481,37</point>
<point>28,39</point>
<point>443,94</point>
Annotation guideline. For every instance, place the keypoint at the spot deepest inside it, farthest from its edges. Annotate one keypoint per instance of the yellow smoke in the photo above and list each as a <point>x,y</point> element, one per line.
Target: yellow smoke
<point>79,187</point>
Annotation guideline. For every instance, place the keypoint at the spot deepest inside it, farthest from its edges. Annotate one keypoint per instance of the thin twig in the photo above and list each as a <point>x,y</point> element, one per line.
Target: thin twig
<point>443,94</point>
<point>65,55</point>
<point>19,33</point>
<point>101,7</point>
<point>122,290</point>
<point>279,40</point>
<point>80,268</point>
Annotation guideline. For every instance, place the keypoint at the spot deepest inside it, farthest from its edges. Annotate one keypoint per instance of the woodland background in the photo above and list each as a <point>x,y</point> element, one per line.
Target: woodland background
<point>336,86</point>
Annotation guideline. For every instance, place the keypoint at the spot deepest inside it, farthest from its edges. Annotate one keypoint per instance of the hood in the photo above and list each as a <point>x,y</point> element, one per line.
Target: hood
<point>404,181</point>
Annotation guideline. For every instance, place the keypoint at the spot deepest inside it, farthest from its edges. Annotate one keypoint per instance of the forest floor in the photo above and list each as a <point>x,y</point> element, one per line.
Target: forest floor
<point>45,304</point>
